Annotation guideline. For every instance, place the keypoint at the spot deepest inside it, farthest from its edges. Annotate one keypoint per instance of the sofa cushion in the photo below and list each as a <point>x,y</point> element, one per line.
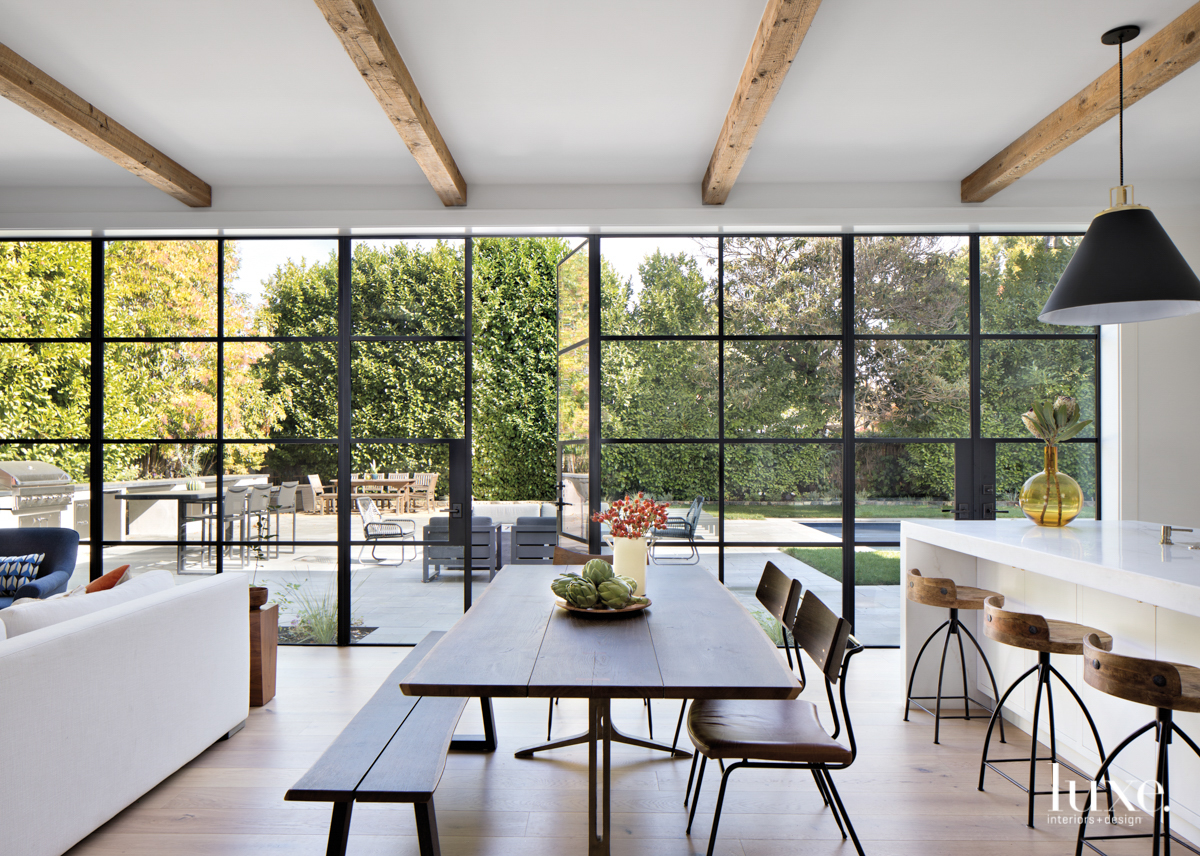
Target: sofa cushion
<point>33,616</point>
<point>16,571</point>
<point>110,580</point>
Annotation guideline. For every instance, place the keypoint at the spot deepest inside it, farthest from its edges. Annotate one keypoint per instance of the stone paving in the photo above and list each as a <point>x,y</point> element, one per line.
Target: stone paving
<point>388,594</point>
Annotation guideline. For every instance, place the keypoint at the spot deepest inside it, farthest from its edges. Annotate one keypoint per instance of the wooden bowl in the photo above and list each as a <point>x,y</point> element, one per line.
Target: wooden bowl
<point>258,596</point>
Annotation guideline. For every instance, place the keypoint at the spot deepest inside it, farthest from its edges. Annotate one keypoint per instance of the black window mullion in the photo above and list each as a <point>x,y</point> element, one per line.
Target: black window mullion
<point>96,417</point>
<point>344,427</point>
<point>220,483</point>
<point>721,408</point>
<point>848,422</point>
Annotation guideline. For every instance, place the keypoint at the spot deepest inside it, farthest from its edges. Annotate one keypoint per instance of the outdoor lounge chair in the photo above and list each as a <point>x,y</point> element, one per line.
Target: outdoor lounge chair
<point>484,546</point>
<point>532,541</point>
<point>376,527</point>
<point>680,528</point>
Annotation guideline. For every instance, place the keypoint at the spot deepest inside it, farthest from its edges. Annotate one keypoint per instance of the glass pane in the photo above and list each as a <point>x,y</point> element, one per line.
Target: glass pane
<point>779,388</point>
<point>407,389</point>
<point>573,395</point>
<point>911,284</point>
<point>45,289</point>
<point>160,288</point>
<point>676,473</point>
<point>281,288</point>
<point>160,390</point>
<point>894,481</point>
<point>282,389</point>
<point>574,468</point>
<point>514,306</point>
<point>912,388</point>
<point>1016,276</point>
<point>818,568</point>
<point>659,389</point>
<point>1016,462</point>
<point>573,298</point>
<point>878,596</point>
<point>1017,372</point>
<point>783,492</point>
<point>783,286</point>
<point>658,286</point>
<point>46,390</point>
<point>408,288</point>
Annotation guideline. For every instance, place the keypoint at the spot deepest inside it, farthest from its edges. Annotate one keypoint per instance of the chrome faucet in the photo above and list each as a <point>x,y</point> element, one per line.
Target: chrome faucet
<point>1166,533</point>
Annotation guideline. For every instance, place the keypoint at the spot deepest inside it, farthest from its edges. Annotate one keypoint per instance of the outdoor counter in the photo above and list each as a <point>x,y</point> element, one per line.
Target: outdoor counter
<point>1113,575</point>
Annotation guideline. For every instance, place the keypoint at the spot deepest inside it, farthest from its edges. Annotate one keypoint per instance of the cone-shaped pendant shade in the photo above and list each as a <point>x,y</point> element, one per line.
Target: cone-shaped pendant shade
<point>1126,269</point>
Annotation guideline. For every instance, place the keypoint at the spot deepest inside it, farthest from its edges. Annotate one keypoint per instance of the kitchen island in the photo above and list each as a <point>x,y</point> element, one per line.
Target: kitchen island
<point>1113,575</point>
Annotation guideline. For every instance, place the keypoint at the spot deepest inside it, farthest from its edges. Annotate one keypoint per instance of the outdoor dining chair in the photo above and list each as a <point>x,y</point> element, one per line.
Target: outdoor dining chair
<point>322,501</point>
<point>281,503</point>
<point>784,733</point>
<point>377,527</point>
<point>258,517</point>
<point>682,528</point>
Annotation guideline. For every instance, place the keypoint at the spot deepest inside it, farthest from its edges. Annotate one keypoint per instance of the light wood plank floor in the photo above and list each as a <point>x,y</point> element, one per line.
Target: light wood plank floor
<point>905,795</point>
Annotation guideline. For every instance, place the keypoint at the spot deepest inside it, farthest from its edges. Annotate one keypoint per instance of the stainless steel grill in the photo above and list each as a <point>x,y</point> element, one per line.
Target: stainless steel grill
<point>40,492</point>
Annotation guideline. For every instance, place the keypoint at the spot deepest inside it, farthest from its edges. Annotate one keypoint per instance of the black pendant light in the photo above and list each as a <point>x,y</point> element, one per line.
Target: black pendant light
<point>1126,267</point>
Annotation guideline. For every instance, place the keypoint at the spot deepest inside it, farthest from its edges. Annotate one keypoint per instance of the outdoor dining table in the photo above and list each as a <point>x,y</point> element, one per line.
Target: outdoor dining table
<point>184,498</point>
<point>398,484</point>
<point>695,640</point>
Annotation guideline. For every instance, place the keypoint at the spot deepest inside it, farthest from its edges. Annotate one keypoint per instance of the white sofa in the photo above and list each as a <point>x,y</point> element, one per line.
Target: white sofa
<point>101,708</point>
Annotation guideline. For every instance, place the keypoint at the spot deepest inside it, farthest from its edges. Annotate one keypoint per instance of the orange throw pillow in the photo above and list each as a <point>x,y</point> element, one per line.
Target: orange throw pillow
<point>109,580</point>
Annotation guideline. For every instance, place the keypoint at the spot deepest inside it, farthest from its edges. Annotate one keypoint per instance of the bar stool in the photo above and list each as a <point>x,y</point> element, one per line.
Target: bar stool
<point>1167,687</point>
<point>937,591</point>
<point>1046,636</point>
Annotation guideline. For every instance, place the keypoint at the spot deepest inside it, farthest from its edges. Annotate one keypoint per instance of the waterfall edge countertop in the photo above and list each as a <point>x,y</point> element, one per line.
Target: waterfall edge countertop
<point>1122,557</point>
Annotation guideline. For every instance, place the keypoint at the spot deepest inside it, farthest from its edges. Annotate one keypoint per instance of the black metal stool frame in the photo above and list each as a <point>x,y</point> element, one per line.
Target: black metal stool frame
<point>1164,726</point>
<point>955,625</point>
<point>1044,670</point>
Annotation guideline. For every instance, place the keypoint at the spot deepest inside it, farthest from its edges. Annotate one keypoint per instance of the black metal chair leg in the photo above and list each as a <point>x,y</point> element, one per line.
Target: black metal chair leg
<point>650,718</point>
<point>696,796</point>
<point>837,798</point>
<point>820,786</point>
<point>1092,725</point>
<point>992,722</point>
<point>937,716</point>
<point>691,776</point>
<point>991,677</point>
<point>962,662</point>
<point>837,817</point>
<point>550,720</point>
<point>1087,801</point>
<point>1043,678</point>
<point>678,725</point>
<point>912,675</point>
<point>712,836</point>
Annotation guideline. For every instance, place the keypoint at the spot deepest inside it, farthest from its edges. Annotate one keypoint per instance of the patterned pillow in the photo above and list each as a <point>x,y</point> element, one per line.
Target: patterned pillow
<point>15,571</point>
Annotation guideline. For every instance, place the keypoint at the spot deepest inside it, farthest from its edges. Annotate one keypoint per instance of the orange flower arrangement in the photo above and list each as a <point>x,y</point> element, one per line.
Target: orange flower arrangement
<point>633,517</point>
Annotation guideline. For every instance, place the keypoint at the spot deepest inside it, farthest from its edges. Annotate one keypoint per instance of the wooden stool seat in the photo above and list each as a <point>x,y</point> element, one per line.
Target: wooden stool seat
<point>939,591</point>
<point>1035,633</point>
<point>1165,686</point>
<point>1046,636</point>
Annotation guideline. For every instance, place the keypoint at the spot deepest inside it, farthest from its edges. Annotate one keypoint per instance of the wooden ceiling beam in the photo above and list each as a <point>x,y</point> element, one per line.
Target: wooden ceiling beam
<point>25,84</point>
<point>1166,54</point>
<point>365,37</point>
<point>782,29</point>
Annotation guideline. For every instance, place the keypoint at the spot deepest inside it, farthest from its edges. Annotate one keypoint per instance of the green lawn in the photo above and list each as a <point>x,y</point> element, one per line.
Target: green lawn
<point>874,568</point>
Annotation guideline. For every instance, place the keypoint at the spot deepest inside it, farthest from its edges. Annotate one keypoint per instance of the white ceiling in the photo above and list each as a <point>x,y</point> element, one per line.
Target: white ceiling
<point>546,92</point>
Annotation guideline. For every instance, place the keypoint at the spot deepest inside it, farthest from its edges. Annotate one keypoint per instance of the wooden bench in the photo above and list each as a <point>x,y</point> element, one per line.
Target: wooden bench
<point>394,751</point>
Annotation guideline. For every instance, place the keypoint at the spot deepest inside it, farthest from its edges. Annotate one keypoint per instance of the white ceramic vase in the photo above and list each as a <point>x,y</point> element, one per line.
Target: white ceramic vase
<point>629,560</point>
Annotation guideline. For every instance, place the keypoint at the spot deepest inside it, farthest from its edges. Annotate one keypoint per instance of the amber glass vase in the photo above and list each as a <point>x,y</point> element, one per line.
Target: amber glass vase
<point>1051,498</point>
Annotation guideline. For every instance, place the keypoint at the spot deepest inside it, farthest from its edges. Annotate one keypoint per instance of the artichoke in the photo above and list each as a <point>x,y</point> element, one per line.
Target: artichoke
<point>559,586</point>
<point>582,594</point>
<point>631,582</point>
<point>634,600</point>
<point>613,593</point>
<point>597,571</point>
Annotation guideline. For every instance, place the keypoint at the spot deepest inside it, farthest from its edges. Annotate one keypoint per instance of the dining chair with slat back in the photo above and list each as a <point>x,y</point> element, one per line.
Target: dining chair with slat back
<point>321,499</point>
<point>281,503</point>
<point>258,515</point>
<point>784,733</point>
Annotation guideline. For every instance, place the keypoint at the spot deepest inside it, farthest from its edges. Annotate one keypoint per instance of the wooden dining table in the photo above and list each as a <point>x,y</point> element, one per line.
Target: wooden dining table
<point>694,641</point>
<point>400,486</point>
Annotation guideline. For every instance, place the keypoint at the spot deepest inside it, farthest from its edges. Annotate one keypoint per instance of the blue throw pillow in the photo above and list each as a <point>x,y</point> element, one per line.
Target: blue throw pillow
<point>16,571</point>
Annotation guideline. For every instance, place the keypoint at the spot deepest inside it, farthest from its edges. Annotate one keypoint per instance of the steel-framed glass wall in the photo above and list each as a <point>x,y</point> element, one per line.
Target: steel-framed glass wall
<point>814,390</point>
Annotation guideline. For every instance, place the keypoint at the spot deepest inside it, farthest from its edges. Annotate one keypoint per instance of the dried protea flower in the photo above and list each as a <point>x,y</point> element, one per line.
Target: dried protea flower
<point>1066,410</point>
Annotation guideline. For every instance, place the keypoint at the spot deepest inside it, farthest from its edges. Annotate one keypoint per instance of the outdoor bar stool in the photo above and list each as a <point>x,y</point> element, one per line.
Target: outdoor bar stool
<point>1046,636</point>
<point>1167,687</point>
<point>938,591</point>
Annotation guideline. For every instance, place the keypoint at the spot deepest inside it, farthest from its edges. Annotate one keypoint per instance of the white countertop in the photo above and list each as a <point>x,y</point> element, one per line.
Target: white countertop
<point>1118,556</point>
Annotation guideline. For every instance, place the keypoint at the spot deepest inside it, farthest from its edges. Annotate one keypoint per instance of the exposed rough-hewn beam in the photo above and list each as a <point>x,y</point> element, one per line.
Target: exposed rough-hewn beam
<point>782,29</point>
<point>1173,49</point>
<point>365,37</point>
<point>25,84</point>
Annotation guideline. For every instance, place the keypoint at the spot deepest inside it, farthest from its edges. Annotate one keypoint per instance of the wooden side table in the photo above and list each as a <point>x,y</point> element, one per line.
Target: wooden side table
<point>264,641</point>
